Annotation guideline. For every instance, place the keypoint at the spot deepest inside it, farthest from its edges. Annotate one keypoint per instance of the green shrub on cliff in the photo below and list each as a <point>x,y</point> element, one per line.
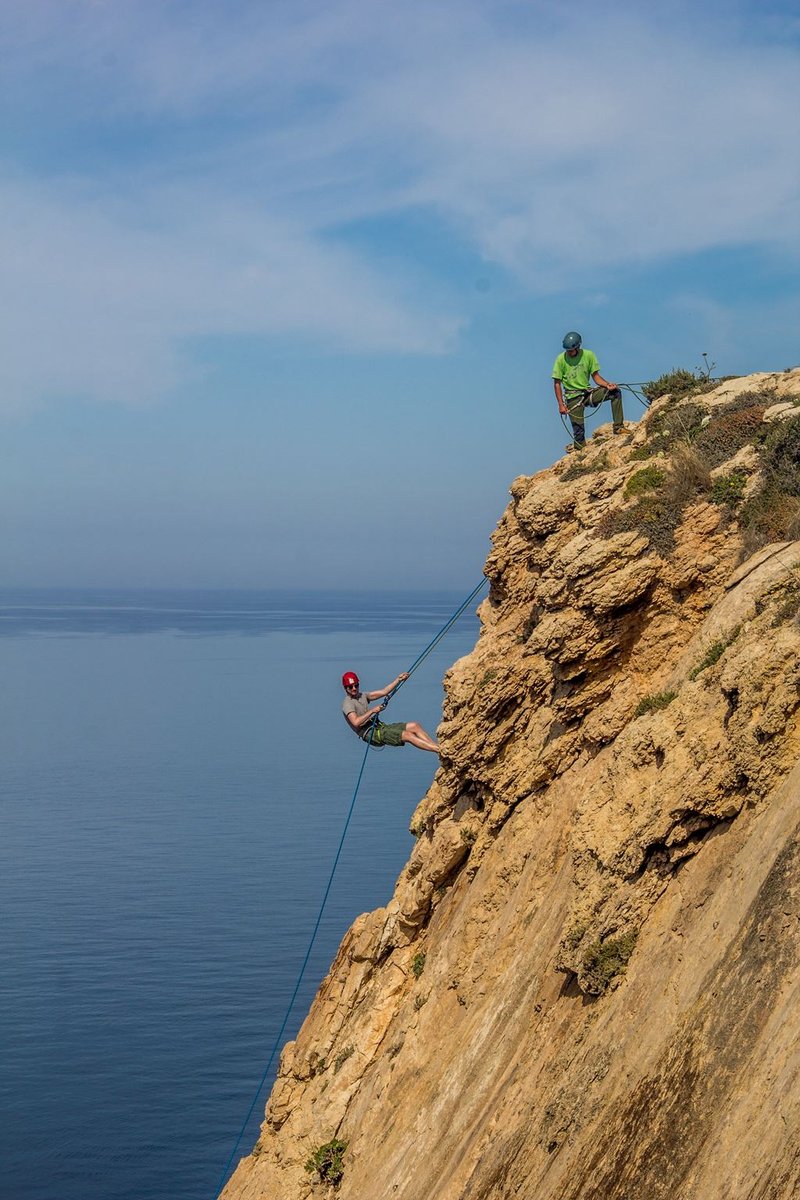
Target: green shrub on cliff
<point>604,960</point>
<point>653,703</point>
<point>773,513</point>
<point>671,425</point>
<point>714,653</point>
<point>676,383</point>
<point>657,514</point>
<point>649,479</point>
<point>327,1161</point>
<point>728,489</point>
<point>585,466</point>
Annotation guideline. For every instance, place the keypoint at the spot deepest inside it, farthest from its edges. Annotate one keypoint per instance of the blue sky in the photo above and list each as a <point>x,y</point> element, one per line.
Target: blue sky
<point>284,282</point>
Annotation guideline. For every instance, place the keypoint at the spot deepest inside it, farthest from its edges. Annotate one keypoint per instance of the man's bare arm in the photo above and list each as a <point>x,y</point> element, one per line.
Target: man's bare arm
<point>562,408</point>
<point>401,678</point>
<point>360,722</point>
<point>598,378</point>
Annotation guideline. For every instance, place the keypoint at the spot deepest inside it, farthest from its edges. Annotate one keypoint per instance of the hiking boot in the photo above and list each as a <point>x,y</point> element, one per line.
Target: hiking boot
<point>618,429</point>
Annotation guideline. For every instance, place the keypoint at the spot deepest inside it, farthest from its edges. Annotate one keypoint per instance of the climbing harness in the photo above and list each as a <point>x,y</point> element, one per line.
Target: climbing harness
<point>586,399</point>
<point>417,663</point>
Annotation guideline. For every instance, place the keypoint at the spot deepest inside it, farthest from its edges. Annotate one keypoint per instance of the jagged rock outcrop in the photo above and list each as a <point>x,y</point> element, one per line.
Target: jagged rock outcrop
<point>587,983</point>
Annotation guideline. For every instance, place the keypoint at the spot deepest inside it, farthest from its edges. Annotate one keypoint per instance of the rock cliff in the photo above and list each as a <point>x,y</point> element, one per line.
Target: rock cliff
<point>587,983</point>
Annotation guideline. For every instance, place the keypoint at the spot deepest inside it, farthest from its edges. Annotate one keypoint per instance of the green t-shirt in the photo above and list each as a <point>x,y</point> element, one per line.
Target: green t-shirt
<point>576,373</point>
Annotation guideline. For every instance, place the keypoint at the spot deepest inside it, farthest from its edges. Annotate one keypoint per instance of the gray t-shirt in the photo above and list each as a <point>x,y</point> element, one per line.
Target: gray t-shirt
<point>355,704</point>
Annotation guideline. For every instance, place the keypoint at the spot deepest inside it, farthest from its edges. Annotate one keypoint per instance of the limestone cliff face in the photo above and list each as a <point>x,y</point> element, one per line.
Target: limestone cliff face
<point>587,983</point>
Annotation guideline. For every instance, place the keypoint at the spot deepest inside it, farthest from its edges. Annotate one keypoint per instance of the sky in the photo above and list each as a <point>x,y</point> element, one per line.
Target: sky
<point>284,281</point>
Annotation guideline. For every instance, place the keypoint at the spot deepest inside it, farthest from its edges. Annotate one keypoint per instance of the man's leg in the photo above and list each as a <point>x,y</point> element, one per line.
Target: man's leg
<point>599,394</point>
<point>618,416</point>
<point>416,736</point>
<point>575,409</point>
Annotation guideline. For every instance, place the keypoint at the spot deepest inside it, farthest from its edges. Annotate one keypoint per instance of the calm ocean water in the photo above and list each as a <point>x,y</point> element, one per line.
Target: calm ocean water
<point>175,775</point>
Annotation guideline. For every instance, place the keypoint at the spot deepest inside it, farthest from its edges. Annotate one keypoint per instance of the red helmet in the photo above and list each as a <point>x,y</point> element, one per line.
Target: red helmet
<point>349,678</point>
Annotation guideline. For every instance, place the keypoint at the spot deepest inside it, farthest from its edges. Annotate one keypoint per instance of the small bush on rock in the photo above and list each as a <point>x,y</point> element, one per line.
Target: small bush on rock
<point>574,937</point>
<point>583,466</point>
<point>653,703</point>
<point>727,433</point>
<point>327,1161</point>
<point>728,489</point>
<point>714,653</point>
<point>682,423</point>
<point>676,383</point>
<point>603,961</point>
<point>656,517</point>
<point>646,480</point>
<point>773,513</point>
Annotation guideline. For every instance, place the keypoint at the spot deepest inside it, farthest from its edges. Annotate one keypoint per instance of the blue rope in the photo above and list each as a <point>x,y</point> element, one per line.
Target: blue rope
<point>435,641</point>
<point>274,1050</point>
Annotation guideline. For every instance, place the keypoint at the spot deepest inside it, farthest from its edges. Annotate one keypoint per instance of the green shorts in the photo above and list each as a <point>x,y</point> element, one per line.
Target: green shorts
<point>387,735</point>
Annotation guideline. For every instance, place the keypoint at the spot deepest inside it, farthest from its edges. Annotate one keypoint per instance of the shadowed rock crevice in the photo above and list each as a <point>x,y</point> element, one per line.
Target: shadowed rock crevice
<point>666,856</point>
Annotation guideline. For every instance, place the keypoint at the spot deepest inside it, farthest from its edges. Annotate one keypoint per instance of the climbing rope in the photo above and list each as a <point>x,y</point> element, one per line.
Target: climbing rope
<point>290,1006</point>
<point>633,388</point>
<point>434,642</point>
<point>428,649</point>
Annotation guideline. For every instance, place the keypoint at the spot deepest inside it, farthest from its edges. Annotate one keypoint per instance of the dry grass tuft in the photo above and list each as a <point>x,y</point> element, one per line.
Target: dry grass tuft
<point>690,473</point>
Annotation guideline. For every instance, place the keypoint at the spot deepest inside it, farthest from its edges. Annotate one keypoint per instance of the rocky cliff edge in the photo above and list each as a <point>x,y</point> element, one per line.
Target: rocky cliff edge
<point>586,984</point>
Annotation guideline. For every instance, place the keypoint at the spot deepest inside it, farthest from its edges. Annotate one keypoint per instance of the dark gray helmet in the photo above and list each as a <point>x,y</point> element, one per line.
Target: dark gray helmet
<point>571,341</point>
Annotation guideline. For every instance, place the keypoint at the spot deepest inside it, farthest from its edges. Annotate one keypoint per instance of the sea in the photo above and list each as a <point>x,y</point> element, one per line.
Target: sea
<point>175,778</point>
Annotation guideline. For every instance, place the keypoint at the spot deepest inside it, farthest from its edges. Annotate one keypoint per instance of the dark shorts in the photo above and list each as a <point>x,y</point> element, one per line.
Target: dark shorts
<point>387,735</point>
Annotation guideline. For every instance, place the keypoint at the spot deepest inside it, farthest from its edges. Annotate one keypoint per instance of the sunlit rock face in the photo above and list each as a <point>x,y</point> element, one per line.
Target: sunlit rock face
<point>586,985</point>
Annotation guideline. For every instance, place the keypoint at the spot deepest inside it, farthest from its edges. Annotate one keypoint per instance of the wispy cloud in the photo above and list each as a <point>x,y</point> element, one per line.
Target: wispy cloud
<point>183,170</point>
<point>103,297</point>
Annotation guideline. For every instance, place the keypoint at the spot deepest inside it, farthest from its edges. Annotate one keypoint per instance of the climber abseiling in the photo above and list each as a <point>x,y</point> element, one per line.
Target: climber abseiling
<point>366,722</point>
<point>573,373</point>
<point>409,732</point>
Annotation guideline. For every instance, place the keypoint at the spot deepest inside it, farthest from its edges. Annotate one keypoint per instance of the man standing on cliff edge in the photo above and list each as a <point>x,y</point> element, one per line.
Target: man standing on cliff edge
<point>573,373</point>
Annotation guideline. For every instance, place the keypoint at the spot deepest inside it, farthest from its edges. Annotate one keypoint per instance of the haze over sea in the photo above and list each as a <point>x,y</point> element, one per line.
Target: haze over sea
<point>175,778</point>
